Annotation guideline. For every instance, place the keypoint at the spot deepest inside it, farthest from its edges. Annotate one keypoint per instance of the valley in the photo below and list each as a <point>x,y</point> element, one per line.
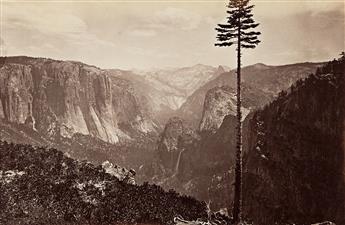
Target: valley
<point>181,136</point>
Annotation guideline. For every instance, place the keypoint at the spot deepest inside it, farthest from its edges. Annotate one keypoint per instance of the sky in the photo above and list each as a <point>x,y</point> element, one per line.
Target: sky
<point>146,34</point>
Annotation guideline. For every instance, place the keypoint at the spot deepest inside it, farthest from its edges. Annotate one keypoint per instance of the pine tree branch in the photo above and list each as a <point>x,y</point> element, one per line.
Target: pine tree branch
<point>226,28</point>
<point>224,44</point>
<point>225,37</point>
<point>247,21</point>
<point>249,38</point>
<point>247,46</point>
<point>248,8</point>
<point>233,21</point>
<point>255,42</point>
<point>251,33</point>
<point>249,26</point>
<point>232,12</point>
<point>248,15</point>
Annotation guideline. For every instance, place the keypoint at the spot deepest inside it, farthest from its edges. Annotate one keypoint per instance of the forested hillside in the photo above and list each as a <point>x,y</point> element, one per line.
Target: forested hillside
<point>42,186</point>
<point>295,165</point>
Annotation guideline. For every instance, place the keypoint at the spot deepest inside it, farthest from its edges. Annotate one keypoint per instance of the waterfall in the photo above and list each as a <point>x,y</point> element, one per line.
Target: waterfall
<point>178,161</point>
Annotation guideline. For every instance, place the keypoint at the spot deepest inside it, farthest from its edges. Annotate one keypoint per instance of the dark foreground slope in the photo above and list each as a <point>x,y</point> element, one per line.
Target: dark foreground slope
<point>295,166</point>
<point>42,186</point>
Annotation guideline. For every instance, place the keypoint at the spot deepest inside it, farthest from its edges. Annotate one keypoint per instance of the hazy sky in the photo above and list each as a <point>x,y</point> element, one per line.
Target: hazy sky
<point>145,34</point>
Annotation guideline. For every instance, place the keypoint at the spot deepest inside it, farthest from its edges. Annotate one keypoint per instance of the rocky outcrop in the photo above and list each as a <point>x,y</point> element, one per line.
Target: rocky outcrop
<point>295,165</point>
<point>119,172</point>
<point>64,98</point>
<point>219,102</point>
<point>174,140</point>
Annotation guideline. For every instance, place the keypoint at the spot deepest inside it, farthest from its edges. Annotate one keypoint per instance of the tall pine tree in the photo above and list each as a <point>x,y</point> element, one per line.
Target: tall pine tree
<point>238,30</point>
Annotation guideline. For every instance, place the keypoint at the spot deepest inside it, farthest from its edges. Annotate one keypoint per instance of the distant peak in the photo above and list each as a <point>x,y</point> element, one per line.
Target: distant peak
<point>199,65</point>
<point>260,66</point>
<point>220,69</point>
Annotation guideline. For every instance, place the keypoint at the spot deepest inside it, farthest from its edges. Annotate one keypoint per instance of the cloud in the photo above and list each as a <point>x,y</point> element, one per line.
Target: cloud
<point>325,19</point>
<point>171,34</point>
<point>142,33</point>
<point>324,33</point>
<point>175,18</point>
<point>165,20</point>
<point>140,51</point>
<point>309,35</point>
<point>45,28</point>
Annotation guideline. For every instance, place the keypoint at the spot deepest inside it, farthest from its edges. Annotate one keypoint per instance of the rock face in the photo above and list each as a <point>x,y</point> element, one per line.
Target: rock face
<point>64,98</point>
<point>219,102</point>
<point>174,140</point>
<point>119,172</point>
<point>296,154</point>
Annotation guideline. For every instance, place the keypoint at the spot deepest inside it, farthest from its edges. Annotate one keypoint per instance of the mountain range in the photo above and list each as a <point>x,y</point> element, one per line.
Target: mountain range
<point>74,106</point>
<point>175,127</point>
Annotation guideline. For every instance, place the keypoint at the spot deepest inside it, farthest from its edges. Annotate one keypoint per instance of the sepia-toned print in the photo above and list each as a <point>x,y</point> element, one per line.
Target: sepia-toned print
<point>172,112</point>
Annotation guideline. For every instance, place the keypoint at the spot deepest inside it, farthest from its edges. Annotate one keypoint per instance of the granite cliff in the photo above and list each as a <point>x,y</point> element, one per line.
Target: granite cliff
<point>64,98</point>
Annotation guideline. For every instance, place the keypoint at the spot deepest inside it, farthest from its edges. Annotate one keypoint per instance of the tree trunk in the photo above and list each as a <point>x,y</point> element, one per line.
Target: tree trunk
<point>237,209</point>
